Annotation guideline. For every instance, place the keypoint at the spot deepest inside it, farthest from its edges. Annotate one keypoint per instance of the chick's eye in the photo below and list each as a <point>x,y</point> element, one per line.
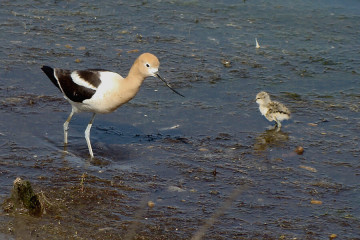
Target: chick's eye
<point>147,65</point>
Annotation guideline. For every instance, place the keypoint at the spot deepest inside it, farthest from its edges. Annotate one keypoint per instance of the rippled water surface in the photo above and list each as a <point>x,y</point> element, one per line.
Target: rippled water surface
<point>207,162</point>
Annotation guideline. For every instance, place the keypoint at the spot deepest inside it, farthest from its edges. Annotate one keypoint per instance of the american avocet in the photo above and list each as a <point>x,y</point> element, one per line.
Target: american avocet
<point>102,91</point>
<point>272,110</point>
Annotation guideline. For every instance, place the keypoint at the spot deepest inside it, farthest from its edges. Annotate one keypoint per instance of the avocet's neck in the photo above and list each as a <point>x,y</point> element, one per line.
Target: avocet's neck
<point>135,78</point>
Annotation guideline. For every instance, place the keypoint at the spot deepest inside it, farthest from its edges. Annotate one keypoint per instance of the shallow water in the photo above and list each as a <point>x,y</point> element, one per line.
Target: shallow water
<point>207,155</point>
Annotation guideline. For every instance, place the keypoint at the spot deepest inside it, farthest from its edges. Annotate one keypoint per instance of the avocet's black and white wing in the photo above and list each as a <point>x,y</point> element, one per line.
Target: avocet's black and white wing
<point>75,85</point>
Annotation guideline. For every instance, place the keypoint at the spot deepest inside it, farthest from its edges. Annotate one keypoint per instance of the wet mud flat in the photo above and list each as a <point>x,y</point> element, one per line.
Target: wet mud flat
<point>202,167</point>
<point>171,185</point>
<point>83,206</point>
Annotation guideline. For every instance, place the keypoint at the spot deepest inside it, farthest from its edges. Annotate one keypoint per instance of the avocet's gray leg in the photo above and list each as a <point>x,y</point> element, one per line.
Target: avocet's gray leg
<point>66,127</point>
<point>278,125</point>
<point>87,135</point>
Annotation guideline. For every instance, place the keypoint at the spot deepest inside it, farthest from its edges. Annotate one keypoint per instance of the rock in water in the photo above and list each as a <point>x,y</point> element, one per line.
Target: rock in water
<point>23,198</point>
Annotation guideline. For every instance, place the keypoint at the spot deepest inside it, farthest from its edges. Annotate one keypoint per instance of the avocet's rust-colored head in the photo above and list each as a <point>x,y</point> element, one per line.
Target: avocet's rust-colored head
<point>148,65</point>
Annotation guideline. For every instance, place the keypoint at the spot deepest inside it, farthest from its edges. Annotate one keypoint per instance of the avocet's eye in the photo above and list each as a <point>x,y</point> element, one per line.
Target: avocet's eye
<point>147,65</point>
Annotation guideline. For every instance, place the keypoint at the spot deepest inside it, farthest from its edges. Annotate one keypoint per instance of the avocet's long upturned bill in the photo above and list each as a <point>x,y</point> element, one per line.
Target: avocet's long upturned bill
<point>272,110</point>
<point>102,91</point>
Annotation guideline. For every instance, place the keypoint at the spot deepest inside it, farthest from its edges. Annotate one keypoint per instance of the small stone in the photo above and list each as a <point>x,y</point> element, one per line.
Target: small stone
<point>226,63</point>
<point>332,236</point>
<point>316,202</point>
<point>214,192</point>
<point>311,169</point>
<point>133,51</point>
<point>175,189</point>
<point>203,149</point>
<point>299,150</point>
<point>151,204</point>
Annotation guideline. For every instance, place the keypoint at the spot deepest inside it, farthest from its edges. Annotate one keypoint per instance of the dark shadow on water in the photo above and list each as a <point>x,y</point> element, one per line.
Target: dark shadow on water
<point>113,147</point>
<point>104,154</point>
